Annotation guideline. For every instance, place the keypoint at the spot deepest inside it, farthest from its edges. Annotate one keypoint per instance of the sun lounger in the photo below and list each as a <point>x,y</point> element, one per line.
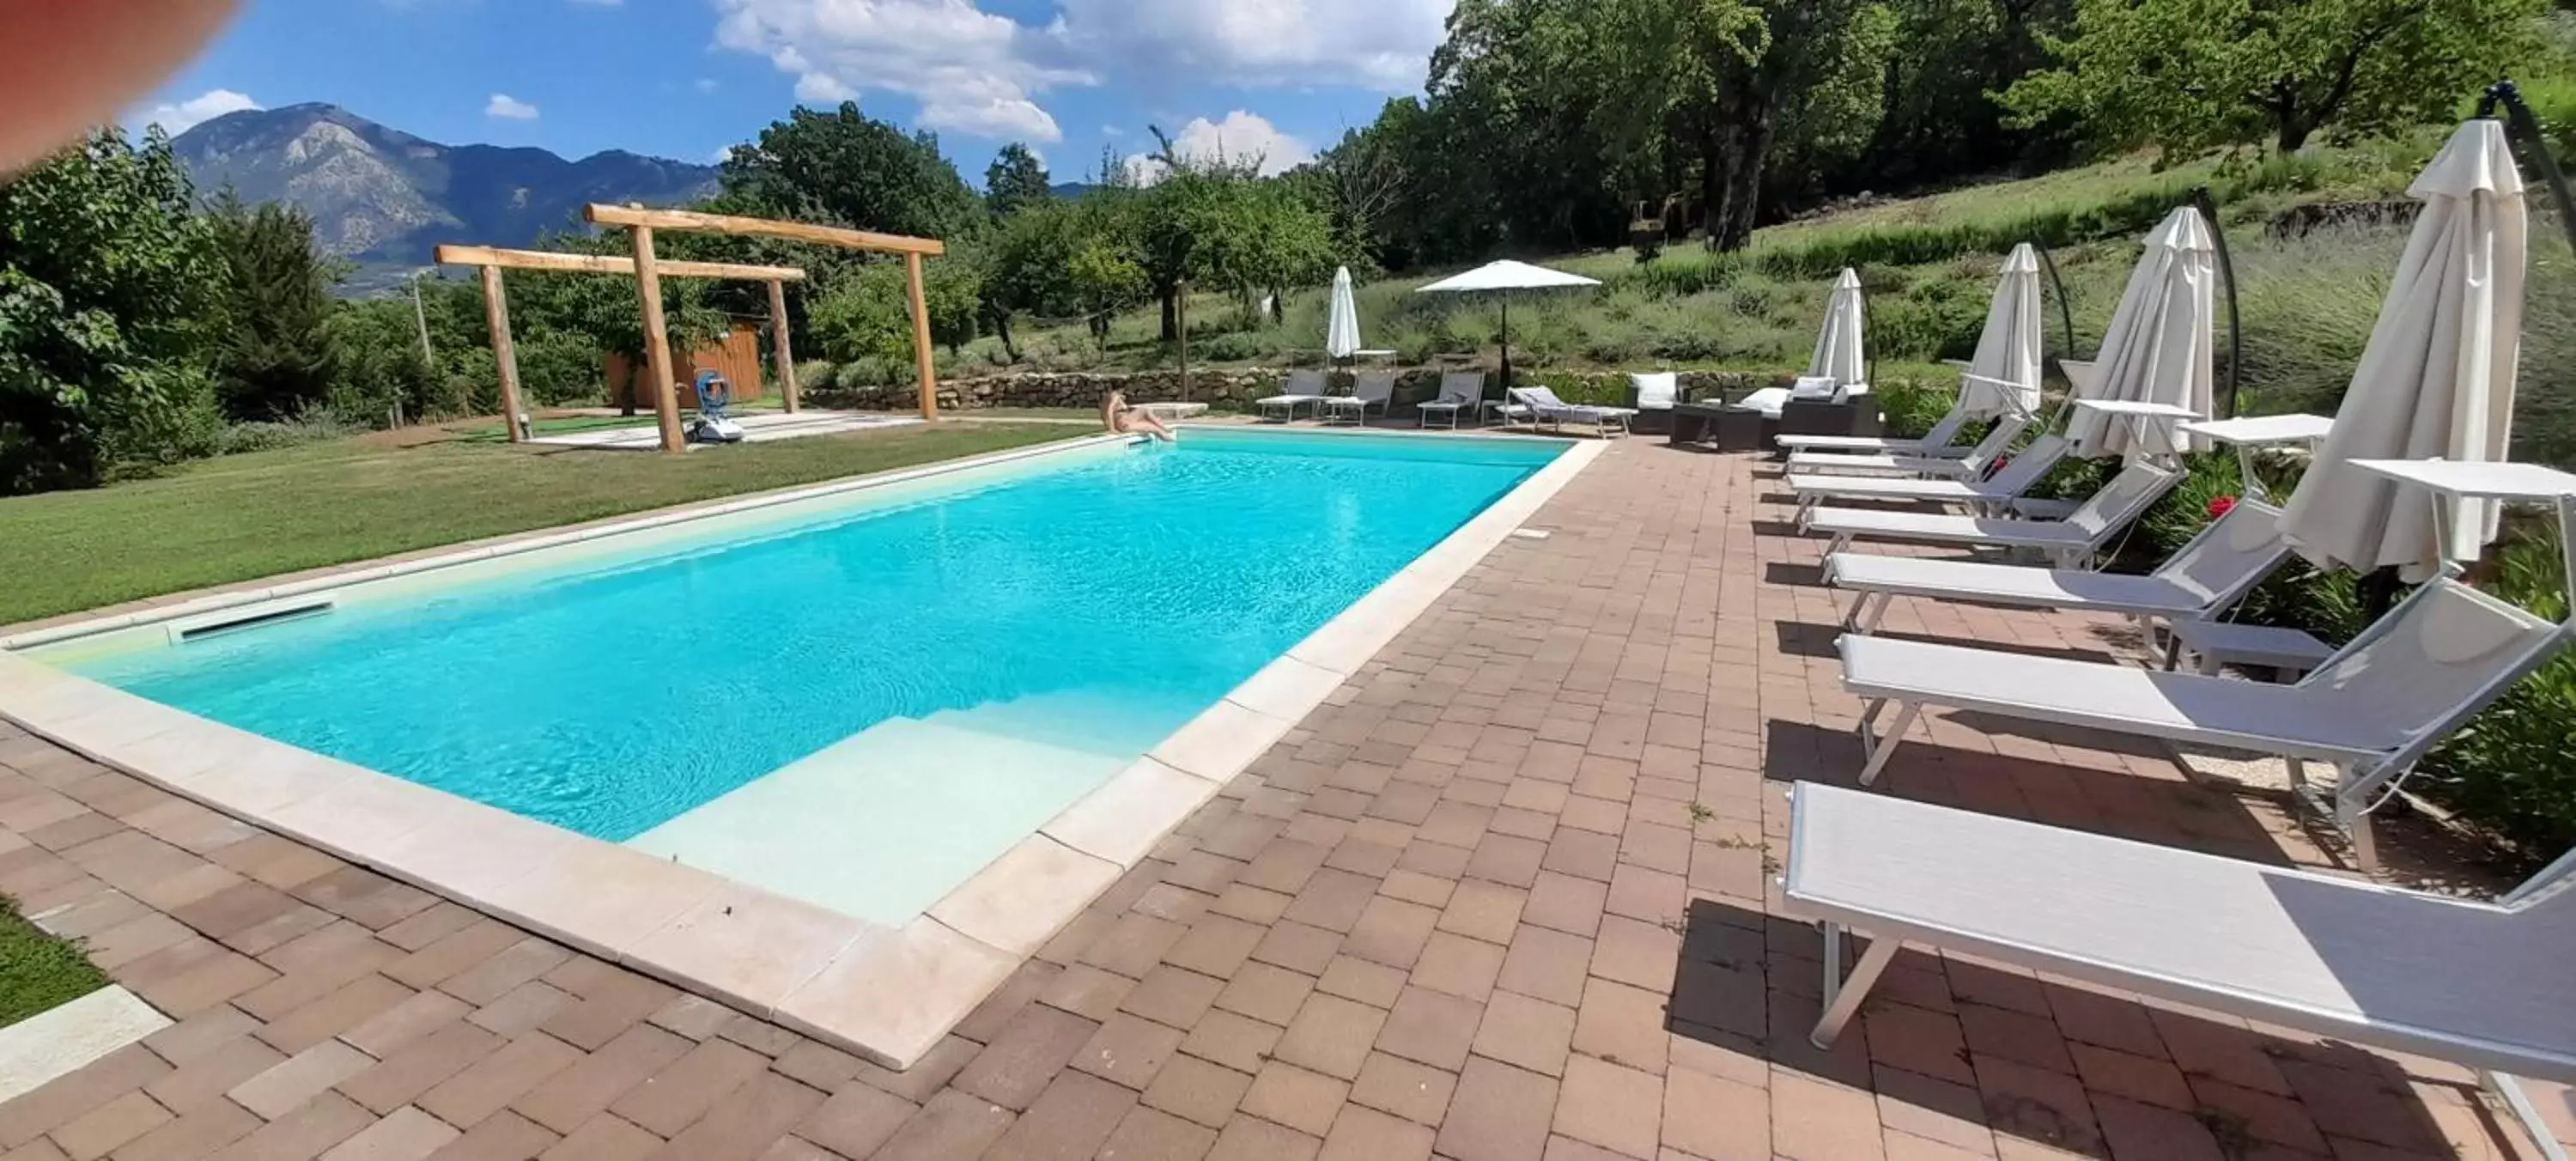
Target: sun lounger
<point>1459,390</point>
<point>2480,984</point>
<point>2371,710</point>
<point>1546,408</point>
<point>2203,580</point>
<point>2070,543</point>
<point>1369,389</point>
<point>1969,465</point>
<point>1935,443</point>
<point>1303,389</point>
<point>1992,494</point>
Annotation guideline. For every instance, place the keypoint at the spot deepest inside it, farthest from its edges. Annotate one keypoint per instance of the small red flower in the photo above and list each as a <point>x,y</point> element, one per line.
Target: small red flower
<point>2221,506</point>
<point>2002,462</point>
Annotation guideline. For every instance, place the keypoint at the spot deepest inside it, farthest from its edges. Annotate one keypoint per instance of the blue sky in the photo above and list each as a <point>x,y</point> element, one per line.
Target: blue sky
<point>685,78</point>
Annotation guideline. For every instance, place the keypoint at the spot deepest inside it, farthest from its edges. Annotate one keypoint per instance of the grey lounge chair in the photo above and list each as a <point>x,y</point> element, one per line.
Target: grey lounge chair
<point>1368,389</point>
<point>2069,543</point>
<point>2202,580</point>
<point>1969,465</point>
<point>1993,494</point>
<point>1459,390</point>
<point>1546,408</point>
<point>2486,985</point>
<point>2371,710</point>
<point>1935,443</point>
<point>1304,389</point>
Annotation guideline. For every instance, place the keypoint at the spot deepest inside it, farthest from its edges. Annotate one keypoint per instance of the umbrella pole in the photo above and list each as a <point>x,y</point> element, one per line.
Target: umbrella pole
<point>1507,344</point>
<point>2208,204</point>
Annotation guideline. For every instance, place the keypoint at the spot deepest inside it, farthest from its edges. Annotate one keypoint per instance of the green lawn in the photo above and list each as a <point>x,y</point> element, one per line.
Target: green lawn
<point>242,517</point>
<point>38,971</point>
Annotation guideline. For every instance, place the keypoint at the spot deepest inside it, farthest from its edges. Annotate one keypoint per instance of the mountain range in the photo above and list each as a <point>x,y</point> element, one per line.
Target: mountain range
<point>383,198</point>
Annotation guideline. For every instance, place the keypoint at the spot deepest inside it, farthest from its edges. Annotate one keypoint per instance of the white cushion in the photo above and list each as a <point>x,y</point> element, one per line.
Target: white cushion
<point>1656,392</point>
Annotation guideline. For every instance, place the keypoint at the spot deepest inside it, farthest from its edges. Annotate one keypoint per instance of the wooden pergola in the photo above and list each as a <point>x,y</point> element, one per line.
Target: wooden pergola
<point>657,348</point>
<point>496,311</point>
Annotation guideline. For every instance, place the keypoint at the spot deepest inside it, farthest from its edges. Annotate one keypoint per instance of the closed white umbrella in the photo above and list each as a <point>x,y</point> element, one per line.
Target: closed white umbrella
<point>2161,347</point>
<point>2437,378</point>
<point>2004,377</point>
<point>1839,355</point>
<point>1342,326</point>
<point>1506,276</point>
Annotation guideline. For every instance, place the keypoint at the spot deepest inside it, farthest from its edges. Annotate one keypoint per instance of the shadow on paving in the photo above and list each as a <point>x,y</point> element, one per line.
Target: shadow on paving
<point>2115,803</point>
<point>1964,1045</point>
<point>1806,574</point>
<point>1810,639</point>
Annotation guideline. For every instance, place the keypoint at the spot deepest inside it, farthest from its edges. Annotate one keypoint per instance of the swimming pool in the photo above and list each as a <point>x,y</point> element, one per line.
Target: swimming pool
<point>862,703</point>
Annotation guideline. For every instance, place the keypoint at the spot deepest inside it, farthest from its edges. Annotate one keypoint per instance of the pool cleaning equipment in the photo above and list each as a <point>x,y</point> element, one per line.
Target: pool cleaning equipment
<point>715,394</point>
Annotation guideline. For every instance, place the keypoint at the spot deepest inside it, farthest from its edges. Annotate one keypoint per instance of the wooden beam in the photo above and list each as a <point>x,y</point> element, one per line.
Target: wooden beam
<point>637,216</point>
<point>779,342</point>
<point>921,354</point>
<point>657,342</point>
<point>496,313</point>
<point>489,257</point>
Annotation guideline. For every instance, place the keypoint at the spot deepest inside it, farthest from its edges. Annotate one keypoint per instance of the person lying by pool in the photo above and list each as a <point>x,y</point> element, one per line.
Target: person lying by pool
<point>1123,418</point>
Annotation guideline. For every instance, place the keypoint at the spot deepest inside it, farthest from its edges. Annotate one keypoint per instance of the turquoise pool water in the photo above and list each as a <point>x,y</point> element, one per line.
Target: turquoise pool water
<point>1081,611</point>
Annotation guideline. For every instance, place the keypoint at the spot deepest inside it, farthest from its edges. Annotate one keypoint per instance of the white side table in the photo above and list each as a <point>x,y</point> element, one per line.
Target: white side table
<point>2291,652</point>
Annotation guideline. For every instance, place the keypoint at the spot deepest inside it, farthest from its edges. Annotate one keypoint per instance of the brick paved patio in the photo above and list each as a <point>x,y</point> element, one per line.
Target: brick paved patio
<point>1506,896</point>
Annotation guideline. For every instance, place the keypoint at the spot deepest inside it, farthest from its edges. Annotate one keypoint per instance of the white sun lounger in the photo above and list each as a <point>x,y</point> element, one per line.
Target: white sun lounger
<point>1368,389</point>
<point>2371,710</point>
<point>2484,985</point>
<point>1546,408</point>
<point>1989,495</point>
<point>1304,389</point>
<point>1970,464</point>
<point>2070,543</point>
<point>2203,580</point>
<point>1935,442</point>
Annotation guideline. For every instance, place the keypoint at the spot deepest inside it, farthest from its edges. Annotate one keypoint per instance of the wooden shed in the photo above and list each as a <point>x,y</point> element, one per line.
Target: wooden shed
<point>737,357</point>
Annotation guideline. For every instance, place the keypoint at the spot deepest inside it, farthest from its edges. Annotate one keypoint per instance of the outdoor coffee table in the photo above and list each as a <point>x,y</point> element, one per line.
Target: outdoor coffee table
<point>1696,422</point>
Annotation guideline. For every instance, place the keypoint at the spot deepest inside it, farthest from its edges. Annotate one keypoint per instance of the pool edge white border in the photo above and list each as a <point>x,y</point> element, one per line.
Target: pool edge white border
<point>70,1036</point>
<point>887,994</point>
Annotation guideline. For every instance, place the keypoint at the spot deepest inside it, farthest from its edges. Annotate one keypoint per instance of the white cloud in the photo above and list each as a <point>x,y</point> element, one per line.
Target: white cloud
<point>1112,131</point>
<point>1371,44</point>
<point>972,71</point>
<point>1240,136</point>
<point>509,108</point>
<point>179,117</point>
<point>723,154</point>
<point>705,84</point>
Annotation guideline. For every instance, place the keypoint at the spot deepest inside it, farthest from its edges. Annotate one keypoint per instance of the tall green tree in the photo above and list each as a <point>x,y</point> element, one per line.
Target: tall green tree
<point>104,298</point>
<point>2189,74</point>
<point>843,166</point>
<point>272,357</point>
<point>1015,181</point>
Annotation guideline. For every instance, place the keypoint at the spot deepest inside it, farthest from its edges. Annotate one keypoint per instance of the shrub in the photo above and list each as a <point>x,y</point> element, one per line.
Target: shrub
<point>312,425</point>
<point>1232,347</point>
<point>1909,409</point>
<point>2510,769</point>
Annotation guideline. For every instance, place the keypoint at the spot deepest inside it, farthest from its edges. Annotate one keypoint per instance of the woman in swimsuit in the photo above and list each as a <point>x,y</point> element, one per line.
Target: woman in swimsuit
<point>1121,418</point>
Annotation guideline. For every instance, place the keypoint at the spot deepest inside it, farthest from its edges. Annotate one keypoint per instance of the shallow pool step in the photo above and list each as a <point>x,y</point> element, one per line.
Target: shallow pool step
<point>883,823</point>
<point>1071,720</point>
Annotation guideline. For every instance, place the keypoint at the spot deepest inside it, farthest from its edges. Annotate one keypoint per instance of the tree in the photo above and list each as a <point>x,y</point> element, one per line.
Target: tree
<point>2190,74</point>
<point>104,273</point>
<point>848,168</point>
<point>1015,181</point>
<point>272,357</point>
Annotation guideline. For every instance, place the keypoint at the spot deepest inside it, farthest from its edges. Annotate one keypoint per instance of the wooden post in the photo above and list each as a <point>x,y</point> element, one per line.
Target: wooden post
<point>657,342</point>
<point>496,313</point>
<point>923,362</point>
<point>1181,307</point>
<point>778,342</point>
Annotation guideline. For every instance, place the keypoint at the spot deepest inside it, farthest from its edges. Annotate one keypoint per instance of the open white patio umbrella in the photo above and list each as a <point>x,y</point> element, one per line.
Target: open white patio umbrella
<point>2437,378</point>
<point>2009,350</point>
<point>1342,326</point>
<point>1839,355</point>
<point>2161,347</point>
<point>1505,276</point>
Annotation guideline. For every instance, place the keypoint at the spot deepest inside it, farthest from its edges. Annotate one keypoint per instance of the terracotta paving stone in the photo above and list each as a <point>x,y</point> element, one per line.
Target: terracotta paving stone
<point>480,983</point>
<point>817,1064</point>
<point>1929,1043</point>
<point>1128,1050</point>
<point>1635,952</point>
<point>2016,1036</point>
<point>1507,859</point>
<point>2036,1104</point>
<point>855,1120</point>
<point>954,1124</point>
<point>420,1066</point>
<point>204,1080</point>
<point>1086,991</point>
<point>759,1036</point>
<point>440,920</point>
<point>926,1076</point>
<point>1550,965</point>
<point>1715,1118</point>
<point>504,1136</point>
<point>704,1077</point>
<point>1814,1120</point>
<point>1499,1113</point>
<point>1148,1135</point>
<point>1016,1066</point>
<point>192,1039</point>
<point>94,1133</point>
<point>603,1138</point>
<point>743,1125</point>
<point>1361,1133</point>
<point>1458,965</point>
<point>525,1008</point>
<point>1298,1098</point>
<point>1253,1139</point>
<point>1171,995</point>
<point>575,1095</point>
<point>407,1134</point>
<point>1197,1090</point>
<point>1431,1028</point>
<point>308,1131</point>
<point>1610,1106</point>
<point>218,977</point>
<point>1215,945</point>
<point>1531,1033</point>
<point>1236,1041</point>
<point>1484,910</point>
<point>1566,903</point>
<point>193,1135</point>
<point>353,1004</point>
<point>618,1001</point>
<point>1266,993</point>
<point>2147,1080</point>
<point>420,1014</point>
<point>490,1084</point>
<point>273,1092</point>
